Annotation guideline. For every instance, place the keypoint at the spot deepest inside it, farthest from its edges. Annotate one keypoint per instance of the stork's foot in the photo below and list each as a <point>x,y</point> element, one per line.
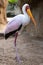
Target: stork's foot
<point>18,59</point>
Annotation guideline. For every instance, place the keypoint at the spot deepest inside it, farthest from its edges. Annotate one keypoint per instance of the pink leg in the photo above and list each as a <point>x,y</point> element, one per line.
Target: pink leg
<point>16,35</point>
<point>17,55</point>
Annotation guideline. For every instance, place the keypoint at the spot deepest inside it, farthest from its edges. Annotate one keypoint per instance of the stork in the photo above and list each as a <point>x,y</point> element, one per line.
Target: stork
<point>15,24</point>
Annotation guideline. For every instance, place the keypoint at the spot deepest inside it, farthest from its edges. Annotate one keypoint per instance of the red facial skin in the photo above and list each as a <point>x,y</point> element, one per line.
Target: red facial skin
<point>27,7</point>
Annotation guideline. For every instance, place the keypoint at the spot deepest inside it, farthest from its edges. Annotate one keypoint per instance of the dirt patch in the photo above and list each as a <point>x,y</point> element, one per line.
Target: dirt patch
<point>30,50</point>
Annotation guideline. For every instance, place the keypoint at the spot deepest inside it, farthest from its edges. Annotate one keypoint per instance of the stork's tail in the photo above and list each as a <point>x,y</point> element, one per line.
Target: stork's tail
<point>7,35</point>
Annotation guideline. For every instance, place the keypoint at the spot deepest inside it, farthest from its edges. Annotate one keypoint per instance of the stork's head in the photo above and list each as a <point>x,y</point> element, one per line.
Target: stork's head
<point>26,9</point>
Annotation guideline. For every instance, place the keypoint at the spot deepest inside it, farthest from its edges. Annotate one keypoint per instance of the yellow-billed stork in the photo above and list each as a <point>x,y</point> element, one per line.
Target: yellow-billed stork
<point>15,24</point>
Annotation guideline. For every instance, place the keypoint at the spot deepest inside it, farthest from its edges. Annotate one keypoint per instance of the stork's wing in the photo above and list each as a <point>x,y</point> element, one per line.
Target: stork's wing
<point>12,25</point>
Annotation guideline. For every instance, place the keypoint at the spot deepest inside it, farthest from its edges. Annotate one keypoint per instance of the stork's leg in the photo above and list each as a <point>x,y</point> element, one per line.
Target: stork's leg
<point>17,55</point>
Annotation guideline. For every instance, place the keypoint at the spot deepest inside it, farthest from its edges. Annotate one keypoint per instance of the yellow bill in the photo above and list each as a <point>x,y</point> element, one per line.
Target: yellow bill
<point>31,16</point>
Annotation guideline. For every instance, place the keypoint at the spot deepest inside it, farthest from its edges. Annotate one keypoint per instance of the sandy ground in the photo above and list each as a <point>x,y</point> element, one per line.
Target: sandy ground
<point>30,50</point>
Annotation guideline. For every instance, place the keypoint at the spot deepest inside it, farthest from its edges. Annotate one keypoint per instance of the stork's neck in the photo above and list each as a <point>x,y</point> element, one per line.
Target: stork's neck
<point>27,18</point>
<point>25,13</point>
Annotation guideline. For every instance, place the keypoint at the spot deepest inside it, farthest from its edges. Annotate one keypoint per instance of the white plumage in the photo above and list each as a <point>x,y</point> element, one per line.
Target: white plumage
<point>16,21</point>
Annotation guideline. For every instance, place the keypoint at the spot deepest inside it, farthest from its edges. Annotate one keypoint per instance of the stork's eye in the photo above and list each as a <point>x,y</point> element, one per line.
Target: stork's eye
<point>27,7</point>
